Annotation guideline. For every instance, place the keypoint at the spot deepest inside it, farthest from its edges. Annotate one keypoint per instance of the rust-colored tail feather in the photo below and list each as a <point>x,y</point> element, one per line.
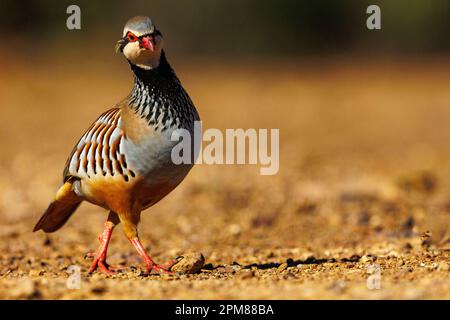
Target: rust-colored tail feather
<point>60,210</point>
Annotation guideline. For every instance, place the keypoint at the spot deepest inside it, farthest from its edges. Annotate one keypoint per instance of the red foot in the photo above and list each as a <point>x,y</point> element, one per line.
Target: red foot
<point>150,265</point>
<point>104,267</point>
<point>165,269</point>
<point>100,255</point>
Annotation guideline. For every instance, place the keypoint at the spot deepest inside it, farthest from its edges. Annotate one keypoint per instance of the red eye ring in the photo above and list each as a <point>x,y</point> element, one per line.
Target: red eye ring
<point>131,37</point>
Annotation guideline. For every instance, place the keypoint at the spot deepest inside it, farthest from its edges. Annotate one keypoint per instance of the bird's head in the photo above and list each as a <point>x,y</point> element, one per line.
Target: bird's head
<point>141,43</point>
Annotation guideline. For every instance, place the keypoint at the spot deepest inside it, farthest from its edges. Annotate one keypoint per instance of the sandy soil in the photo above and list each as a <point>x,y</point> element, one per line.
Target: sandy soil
<point>364,182</point>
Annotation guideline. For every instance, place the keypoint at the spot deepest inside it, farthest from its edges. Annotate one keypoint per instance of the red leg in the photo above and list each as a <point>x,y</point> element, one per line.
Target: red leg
<point>149,263</point>
<point>100,255</point>
<point>94,254</point>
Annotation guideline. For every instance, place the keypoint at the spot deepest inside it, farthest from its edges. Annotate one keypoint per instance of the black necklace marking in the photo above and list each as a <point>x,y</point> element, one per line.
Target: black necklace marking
<point>159,97</point>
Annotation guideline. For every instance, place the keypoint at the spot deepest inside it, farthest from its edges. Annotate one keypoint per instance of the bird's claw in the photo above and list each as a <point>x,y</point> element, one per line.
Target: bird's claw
<point>103,266</point>
<point>100,263</point>
<point>90,255</point>
<point>161,269</point>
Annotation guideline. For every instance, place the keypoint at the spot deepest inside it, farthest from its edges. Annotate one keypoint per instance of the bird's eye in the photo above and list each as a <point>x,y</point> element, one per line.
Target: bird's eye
<point>131,37</point>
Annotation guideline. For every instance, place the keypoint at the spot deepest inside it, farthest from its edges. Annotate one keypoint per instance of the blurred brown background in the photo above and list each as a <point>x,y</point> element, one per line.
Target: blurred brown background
<point>364,138</point>
<point>250,28</point>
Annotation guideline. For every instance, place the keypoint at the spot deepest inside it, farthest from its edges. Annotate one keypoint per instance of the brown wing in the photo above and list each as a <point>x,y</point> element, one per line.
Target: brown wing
<point>98,151</point>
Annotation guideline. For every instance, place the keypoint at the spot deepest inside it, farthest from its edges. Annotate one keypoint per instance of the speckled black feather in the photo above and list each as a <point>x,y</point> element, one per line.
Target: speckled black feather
<point>159,97</point>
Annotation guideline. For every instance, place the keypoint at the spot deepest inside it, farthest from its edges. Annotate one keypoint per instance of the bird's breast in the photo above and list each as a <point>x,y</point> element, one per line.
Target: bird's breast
<point>149,152</point>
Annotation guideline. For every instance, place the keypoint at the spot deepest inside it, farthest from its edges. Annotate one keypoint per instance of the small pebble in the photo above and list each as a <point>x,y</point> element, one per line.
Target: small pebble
<point>24,289</point>
<point>407,269</point>
<point>393,254</point>
<point>246,275</point>
<point>443,266</point>
<point>98,289</point>
<point>35,273</point>
<point>367,258</point>
<point>282,267</point>
<point>189,263</point>
<point>234,229</point>
<point>408,247</point>
<point>289,275</point>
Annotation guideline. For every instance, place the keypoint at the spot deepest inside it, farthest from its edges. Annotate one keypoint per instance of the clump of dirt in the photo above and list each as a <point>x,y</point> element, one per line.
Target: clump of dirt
<point>189,263</point>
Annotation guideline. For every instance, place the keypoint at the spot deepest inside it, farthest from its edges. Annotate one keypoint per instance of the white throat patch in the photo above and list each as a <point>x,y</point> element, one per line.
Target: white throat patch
<point>142,57</point>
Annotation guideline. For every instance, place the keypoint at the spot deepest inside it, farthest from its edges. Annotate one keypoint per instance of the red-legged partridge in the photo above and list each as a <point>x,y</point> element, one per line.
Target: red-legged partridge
<point>123,162</point>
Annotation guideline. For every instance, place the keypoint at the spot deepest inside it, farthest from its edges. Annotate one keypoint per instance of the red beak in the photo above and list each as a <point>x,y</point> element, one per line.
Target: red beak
<point>147,43</point>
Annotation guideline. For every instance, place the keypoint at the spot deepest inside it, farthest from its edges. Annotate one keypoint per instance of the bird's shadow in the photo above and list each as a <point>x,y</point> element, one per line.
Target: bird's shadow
<point>290,263</point>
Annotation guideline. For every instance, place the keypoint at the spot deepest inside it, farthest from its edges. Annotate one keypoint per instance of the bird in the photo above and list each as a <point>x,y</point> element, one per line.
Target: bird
<point>123,161</point>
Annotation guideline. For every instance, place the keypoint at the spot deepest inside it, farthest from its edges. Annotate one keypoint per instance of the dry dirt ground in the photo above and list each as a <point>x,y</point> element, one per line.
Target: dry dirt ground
<point>364,182</point>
